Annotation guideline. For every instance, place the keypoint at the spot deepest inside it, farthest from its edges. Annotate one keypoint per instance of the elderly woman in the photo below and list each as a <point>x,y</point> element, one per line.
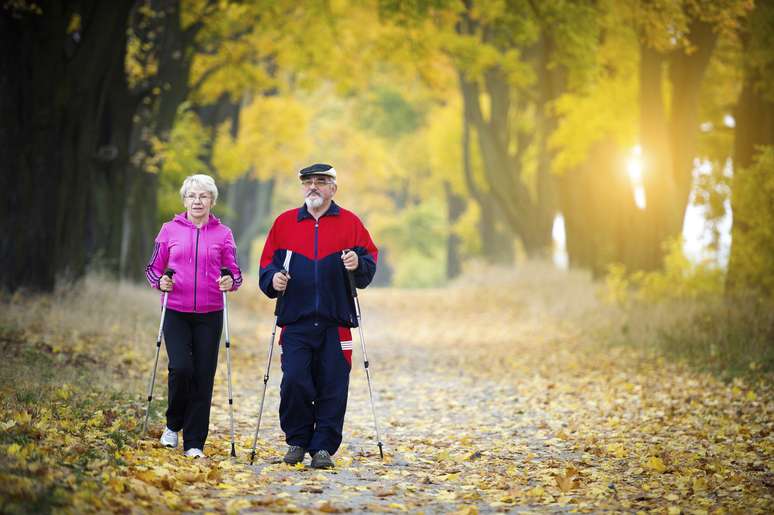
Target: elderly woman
<point>196,246</point>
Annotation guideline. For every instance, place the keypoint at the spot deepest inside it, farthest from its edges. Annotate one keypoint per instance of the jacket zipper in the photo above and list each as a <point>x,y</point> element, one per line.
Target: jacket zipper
<point>196,265</point>
<point>316,288</point>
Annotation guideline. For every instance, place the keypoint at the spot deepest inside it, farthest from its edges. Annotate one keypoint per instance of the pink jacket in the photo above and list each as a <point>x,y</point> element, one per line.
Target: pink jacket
<point>196,256</point>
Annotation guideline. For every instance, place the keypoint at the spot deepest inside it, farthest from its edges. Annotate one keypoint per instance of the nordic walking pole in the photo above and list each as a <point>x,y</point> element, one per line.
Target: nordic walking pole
<point>353,289</point>
<point>224,272</point>
<point>169,273</point>
<point>277,310</point>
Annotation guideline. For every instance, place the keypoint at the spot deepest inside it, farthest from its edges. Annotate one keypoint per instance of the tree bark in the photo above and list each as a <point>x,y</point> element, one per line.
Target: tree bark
<point>455,207</point>
<point>669,142</point>
<point>527,214</point>
<point>496,243</point>
<point>551,84</point>
<point>599,221</point>
<point>53,89</point>
<point>505,186</point>
<point>111,163</point>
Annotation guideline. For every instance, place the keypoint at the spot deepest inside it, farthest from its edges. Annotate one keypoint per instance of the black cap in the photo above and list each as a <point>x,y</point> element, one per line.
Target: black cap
<point>317,169</point>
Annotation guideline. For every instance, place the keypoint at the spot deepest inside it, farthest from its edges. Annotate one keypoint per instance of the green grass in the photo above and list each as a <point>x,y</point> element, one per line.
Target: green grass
<point>728,338</point>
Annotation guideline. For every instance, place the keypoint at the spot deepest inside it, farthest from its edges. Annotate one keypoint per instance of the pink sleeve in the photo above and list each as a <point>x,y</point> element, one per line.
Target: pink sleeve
<point>229,260</point>
<point>158,261</point>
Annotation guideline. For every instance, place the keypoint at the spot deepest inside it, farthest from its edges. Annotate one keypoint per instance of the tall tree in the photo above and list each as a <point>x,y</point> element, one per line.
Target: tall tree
<point>675,49</point>
<point>671,44</point>
<point>57,65</point>
<point>165,32</point>
<point>512,61</point>
<point>752,250</point>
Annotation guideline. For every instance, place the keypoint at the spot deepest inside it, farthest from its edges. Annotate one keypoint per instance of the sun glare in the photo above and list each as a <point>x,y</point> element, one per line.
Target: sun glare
<point>635,167</point>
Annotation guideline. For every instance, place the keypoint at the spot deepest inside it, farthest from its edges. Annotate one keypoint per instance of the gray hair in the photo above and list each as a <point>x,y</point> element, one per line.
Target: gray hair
<point>204,182</point>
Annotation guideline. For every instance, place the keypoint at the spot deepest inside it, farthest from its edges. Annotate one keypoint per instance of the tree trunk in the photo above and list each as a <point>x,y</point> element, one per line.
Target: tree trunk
<point>53,93</point>
<point>551,84</point>
<point>527,214</point>
<point>140,223</point>
<point>752,250</point>
<point>496,244</point>
<point>111,164</point>
<point>249,203</point>
<point>505,186</point>
<point>658,176</point>
<point>599,212</point>
<point>174,52</point>
<point>455,207</point>
<point>687,72</point>
<point>669,142</point>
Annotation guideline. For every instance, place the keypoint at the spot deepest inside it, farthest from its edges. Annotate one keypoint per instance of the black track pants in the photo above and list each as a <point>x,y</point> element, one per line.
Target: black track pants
<point>192,341</point>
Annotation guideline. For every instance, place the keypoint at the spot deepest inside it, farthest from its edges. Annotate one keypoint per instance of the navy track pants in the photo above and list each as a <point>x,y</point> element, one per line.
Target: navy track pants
<point>315,383</point>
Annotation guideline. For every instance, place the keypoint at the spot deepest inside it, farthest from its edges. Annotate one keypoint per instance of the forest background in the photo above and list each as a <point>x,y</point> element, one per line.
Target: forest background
<point>583,189</point>
<point>463,130</point>
<point>632,140</point>
<point>597,134</point>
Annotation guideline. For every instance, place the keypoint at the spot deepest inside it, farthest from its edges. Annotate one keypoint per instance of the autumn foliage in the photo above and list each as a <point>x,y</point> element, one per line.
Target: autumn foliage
<point>489,399</point>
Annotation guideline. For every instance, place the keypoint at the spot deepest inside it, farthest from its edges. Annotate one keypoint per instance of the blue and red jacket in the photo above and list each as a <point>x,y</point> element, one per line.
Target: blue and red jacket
<point>318,286</point>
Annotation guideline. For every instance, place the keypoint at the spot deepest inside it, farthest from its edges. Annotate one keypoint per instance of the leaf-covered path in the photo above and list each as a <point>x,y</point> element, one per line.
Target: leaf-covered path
<point>488,399</point>
<point>492,400</point>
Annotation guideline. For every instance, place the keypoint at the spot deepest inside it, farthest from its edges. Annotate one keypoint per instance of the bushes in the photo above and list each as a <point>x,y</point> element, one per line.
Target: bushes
<point>727,338</point>
<point>751,268</point>
<point>683,312</point>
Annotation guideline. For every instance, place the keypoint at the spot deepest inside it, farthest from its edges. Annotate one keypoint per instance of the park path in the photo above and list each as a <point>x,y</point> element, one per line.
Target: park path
<point>497,395</point>
<point>500,400</point>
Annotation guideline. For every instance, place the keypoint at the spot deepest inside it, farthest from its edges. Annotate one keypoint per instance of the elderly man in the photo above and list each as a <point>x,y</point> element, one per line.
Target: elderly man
<point>324,243</point>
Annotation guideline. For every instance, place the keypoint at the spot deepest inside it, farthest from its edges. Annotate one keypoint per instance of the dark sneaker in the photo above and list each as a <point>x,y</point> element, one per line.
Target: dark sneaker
<point>322,460</point>
<point>294,455</point>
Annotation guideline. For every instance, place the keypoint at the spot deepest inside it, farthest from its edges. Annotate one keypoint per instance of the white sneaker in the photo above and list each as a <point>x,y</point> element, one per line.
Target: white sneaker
<point>168,438</point>
<point>195,453</point>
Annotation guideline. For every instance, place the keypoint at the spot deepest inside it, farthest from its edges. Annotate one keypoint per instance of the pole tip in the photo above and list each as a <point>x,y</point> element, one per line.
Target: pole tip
<point>381,452</point>
<point>233,451</point>
<point>252,457</point>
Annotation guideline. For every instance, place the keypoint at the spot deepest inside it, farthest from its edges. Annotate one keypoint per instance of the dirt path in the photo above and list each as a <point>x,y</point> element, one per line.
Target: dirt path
<point>488,399</point>
<point>508,411</point>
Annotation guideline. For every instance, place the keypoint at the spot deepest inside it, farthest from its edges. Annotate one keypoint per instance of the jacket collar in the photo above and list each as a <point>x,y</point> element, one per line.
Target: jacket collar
<point>181,219</point>
<point>303,212</point>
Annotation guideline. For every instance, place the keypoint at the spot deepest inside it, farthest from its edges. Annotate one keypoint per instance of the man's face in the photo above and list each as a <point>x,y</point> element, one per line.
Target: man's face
<point>318,190</point>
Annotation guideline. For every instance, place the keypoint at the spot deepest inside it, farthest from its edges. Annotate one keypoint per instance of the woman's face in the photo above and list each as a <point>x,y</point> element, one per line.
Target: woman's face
<point>198,203</point>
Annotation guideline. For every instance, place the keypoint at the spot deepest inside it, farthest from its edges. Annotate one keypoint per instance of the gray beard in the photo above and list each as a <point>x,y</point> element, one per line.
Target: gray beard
<point>313,202</point>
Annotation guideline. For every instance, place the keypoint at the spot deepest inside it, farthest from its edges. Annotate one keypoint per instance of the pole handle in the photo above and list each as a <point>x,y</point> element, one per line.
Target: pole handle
<point>223,273</point>
<point>280,297</point>
<point>169,273</point>
<point>350,277</point>
<point>352,287</point>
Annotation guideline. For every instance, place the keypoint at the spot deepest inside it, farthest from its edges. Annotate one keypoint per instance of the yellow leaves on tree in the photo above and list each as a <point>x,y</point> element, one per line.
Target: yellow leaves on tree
<point>271,139</point>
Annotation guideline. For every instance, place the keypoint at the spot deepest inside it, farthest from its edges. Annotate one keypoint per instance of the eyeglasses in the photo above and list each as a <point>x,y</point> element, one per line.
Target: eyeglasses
<point>306,183</point>
<point>204,197</point>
